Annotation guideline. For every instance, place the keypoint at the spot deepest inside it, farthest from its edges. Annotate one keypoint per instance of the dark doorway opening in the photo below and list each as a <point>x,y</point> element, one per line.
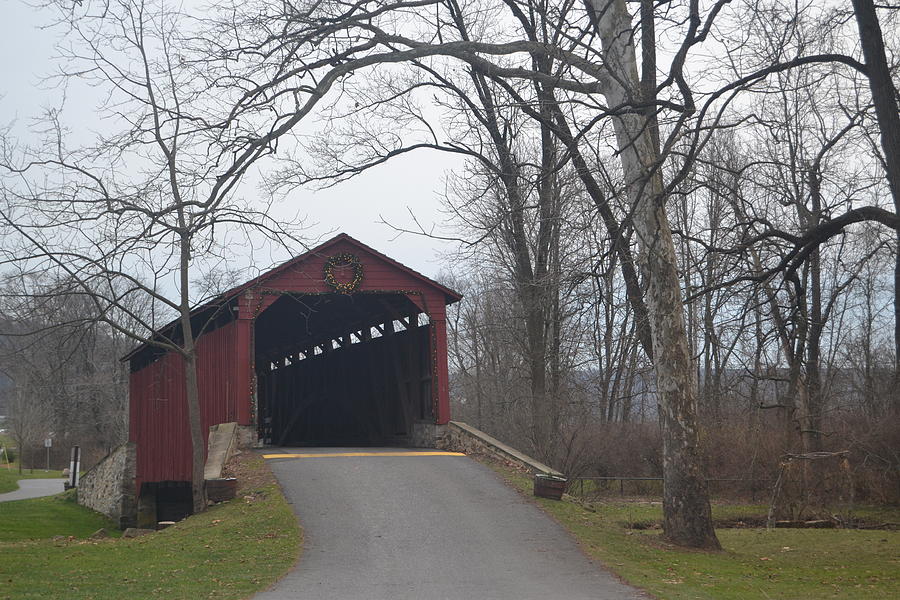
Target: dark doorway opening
<point>342,370</point>
<point>164,501</point>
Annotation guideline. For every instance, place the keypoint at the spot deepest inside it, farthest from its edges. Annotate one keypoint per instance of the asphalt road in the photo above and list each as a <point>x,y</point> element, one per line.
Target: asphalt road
<point>34,488</point>
<point>426,528</point>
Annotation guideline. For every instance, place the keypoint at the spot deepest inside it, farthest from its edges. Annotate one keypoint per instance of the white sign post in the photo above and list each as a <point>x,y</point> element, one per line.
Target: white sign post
<point>48,443</point>
<point>74,466</point>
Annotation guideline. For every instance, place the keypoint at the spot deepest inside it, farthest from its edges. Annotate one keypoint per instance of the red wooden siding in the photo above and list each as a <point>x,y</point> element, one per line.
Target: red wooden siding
<point>442,376</point>
<point>158,422</point>
<point>158,419</point>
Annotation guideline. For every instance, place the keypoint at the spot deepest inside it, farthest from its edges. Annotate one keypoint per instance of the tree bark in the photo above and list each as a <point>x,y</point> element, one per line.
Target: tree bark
<point>192,388</point>
<point>687,518</point>
<point>816,322</point>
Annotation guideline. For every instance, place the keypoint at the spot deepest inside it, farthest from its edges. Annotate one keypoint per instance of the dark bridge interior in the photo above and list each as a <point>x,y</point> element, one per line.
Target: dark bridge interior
<point>339,370</point>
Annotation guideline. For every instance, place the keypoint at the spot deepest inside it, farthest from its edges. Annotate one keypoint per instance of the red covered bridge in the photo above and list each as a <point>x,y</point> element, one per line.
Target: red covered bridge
<point>339,346</point>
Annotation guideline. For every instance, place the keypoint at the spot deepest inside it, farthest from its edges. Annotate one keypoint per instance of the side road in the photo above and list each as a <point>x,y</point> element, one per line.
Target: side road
<point>34,488</point>
<point>425,527</point>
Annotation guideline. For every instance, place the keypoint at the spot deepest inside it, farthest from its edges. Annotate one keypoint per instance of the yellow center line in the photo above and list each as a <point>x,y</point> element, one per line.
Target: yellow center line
<point>344,454</point>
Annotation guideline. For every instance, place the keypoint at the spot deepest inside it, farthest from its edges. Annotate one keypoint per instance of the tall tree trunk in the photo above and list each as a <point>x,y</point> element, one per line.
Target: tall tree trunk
<point>192,389</point>
<point>884,96</point>
<point>478,394</point>
<point>687,518</point>
<point>816,322</point>
<point>198,440</point>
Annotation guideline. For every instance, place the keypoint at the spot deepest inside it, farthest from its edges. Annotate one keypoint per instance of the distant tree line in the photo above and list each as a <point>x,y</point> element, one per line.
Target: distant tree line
<point>65,378</point>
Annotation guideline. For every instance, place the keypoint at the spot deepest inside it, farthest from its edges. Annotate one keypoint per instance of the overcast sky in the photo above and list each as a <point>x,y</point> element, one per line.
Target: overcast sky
<point>356,207</point>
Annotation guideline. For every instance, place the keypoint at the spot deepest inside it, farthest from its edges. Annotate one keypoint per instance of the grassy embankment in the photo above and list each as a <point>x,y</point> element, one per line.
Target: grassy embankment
<point>788,564</point>
<point>230,551</point>
<point>44,518</point>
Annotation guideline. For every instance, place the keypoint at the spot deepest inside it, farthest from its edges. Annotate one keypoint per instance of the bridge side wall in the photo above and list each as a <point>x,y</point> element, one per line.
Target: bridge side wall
<point>461,437</point>
<point>109,487</point>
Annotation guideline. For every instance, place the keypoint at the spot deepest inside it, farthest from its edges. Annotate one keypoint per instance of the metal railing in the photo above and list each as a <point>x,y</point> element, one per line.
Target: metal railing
<point>601,485</point>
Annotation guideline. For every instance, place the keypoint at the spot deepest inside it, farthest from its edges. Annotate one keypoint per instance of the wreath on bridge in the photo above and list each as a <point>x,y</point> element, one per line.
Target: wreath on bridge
<point>345,259</point>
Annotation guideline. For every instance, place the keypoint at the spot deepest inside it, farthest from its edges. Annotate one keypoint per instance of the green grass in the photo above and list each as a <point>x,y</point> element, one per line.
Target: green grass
<point>42,518</point>
<point>9,477</point>
<point>230,551</point>
<point>787,564</point>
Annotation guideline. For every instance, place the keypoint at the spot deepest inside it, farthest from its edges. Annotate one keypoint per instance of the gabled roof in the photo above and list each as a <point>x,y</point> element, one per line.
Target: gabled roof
<point>450,296</point>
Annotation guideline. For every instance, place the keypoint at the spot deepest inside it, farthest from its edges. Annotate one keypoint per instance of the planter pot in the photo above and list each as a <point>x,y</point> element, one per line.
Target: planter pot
<point>220,490</point>
<point>548,486</point>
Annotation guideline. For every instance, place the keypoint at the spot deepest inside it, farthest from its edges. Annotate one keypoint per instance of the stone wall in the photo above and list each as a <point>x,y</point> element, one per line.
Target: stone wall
<point>426,435</point>
<point>469,440</point>
<point>108,488</point>
<point>247,437</point>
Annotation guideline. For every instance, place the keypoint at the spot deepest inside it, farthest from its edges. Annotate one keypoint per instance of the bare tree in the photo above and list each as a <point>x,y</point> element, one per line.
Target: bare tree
<point>136,213</point>
<point>884,97</point>
<point>29,420</point>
